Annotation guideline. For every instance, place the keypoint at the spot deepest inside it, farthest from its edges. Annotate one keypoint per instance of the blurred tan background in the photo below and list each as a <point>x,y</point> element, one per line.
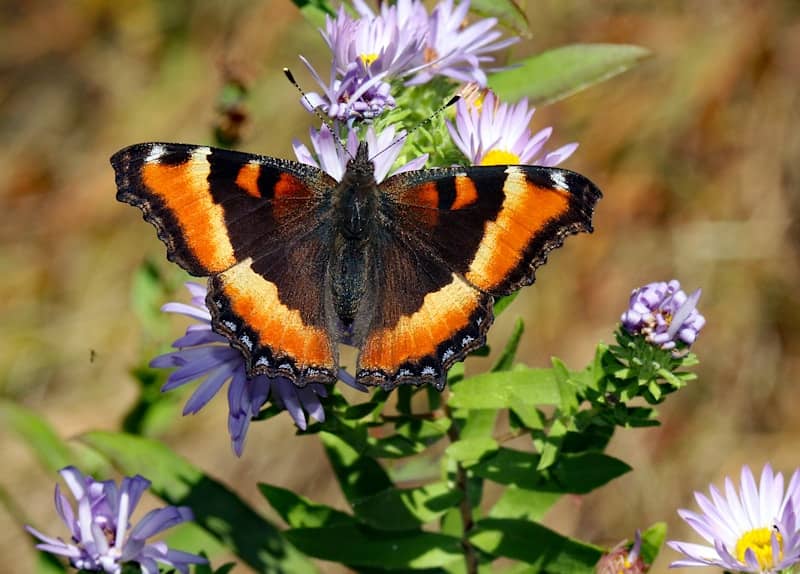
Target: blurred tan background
<point>697,151</point>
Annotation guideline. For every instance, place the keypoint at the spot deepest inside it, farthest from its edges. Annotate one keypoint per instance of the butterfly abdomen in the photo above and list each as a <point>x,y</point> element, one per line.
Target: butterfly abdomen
<point>355,205</point>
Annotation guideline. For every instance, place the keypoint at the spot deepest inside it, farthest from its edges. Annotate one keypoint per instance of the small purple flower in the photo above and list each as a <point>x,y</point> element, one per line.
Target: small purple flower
<point>101,537</point>
<point>664,314</point>
<point>490,132</point>
<point>753,529</point>
<point>352,97</point>
<point>204,353</point>
<point>622,560</point>
<point>378,45</point>
<point>456,50</point>
<point>331,158</point>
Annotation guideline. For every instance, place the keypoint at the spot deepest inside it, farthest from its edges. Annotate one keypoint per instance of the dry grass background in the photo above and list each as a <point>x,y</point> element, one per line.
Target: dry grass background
<point>697,151</point>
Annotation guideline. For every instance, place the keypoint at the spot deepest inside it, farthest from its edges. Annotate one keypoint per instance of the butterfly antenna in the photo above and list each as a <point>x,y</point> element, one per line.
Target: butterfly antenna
<point>315,110</point>
<point>452,101</point>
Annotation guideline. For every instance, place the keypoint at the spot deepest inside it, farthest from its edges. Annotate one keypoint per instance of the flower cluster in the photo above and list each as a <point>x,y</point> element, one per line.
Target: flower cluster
<point>750,529</point>
<point>403,41</point>
<point>101,537</point>
<point>204,353</point>
<point>664,314</point>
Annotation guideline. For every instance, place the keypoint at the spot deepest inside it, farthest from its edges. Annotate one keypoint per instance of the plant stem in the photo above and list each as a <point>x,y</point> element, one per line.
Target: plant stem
<point>465,506</point>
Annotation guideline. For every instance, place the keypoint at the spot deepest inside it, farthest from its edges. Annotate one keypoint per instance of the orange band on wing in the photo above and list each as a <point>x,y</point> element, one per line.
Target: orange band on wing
<point>184,190</point>
<point>247,178</point>
<point>289,187</point>
<point>443,314</point>
<point>526,209</point>
<point>466,194</point>
<point>256,301</point>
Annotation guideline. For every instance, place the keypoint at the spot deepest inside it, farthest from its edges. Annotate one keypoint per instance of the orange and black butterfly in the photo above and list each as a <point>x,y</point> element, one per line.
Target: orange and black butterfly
<point>405,270</point>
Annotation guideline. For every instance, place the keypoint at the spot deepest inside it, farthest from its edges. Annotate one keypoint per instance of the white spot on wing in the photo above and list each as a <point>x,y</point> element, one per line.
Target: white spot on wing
<point>155,154</point>
<point>263,361</point>
<point>230,325</point>
<point>429,371</point>
<point>246,342</point>
<point>201,152</point>
<point>467,340</point>
<point>558,179</point>
<point>448,353</point>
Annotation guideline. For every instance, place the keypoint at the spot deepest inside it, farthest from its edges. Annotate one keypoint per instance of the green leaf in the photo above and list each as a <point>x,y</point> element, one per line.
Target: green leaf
<point>508,12</point>
<point>300,512</point>
<point>407,509</point>
<point>47,563</point>
<point>359,476</point>
<point>582,473</point>
<point>561,72</point>
<point>53,452</point>
<point>524,503</point>
<point>530,542</point>
<point>366,547</point>
<point>502,303</point>
<point>527,416</point>
<point>509,466</point>
<point>251,537</point>
<point>506,359</point>
<point>393,446</point>
<point>524,386</point>
<point>652,541</point>
<point>469,451</point>
<point>315,11</point>
<point>550,446</point>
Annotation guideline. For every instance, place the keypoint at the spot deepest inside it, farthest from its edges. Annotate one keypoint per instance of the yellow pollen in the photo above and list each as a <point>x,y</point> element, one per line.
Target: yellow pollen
<point>368,59</point>
<point>759,540</point>
<point>500,157</point>
<point>430,55</point>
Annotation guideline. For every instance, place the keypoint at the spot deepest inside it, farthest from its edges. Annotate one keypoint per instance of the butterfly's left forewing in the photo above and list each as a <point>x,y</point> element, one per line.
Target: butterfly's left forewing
<point>260,228</point>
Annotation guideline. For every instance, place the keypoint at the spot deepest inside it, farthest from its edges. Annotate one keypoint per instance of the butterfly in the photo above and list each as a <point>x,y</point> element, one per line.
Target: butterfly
<point>406,270</point>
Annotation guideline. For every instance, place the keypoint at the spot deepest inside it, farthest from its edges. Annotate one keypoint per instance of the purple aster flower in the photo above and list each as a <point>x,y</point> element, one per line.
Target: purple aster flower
<point>457,50</point>
<point>331,158</point>
<point>622,560</point>
<point>377,44</point>
<point>752,529</point>
<point>204,353</point>
<point>490,132</point>
<point>101,537</point>
<point>352,97</point>
<point>664,314</point>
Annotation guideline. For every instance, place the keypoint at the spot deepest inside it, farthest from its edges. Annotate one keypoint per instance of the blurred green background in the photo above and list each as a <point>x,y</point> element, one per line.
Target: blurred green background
<point>697,151</point>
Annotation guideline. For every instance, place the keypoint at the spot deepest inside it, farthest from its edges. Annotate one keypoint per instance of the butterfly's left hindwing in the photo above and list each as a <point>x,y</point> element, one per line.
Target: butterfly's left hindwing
<point>259,226</point>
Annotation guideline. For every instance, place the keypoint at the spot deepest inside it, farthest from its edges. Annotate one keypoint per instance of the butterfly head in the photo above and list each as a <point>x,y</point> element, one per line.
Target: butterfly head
<point>361,166</point>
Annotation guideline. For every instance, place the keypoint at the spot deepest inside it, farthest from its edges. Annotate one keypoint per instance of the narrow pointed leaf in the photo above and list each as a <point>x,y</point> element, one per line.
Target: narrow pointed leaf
<point>300,512</point>
<point>503,390</point>
<point>367,547</point>
<point>533,543</point>
<point>407,509</point>
<point>508,12</point>
<point>561,72</point>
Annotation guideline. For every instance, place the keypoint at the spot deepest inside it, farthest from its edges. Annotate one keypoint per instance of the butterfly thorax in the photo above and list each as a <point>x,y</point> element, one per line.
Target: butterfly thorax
<point>355,203</point>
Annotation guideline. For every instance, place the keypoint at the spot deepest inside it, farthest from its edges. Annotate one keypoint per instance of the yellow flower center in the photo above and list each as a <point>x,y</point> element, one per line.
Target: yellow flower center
<point>500,157</point>
<point>368,59</point>
<point>759,541</point>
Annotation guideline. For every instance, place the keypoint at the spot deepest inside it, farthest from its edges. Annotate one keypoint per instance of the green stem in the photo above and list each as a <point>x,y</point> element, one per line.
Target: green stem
<point>465,506</point>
